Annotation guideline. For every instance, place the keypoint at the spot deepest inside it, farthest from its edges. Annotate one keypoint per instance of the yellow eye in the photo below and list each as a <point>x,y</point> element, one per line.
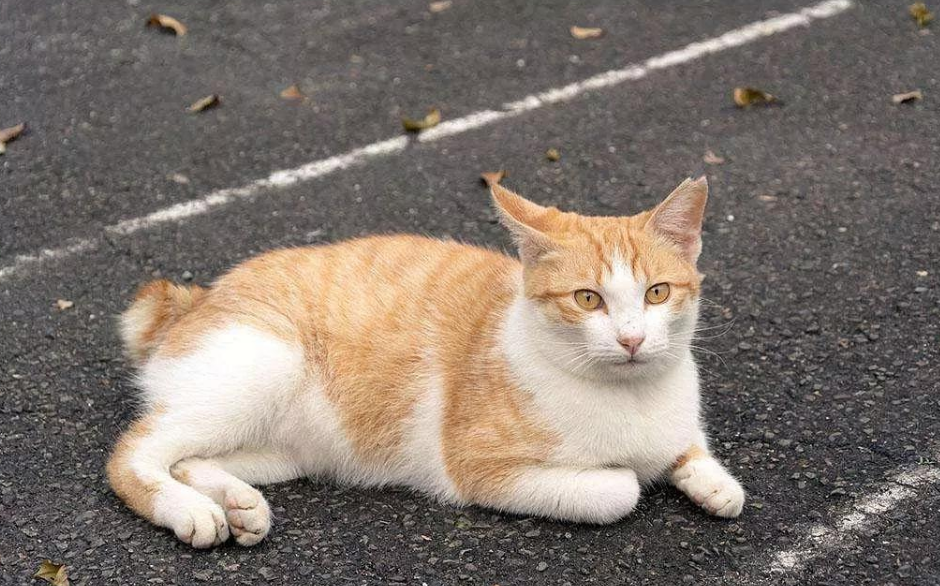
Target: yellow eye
<point>657,293</point>
<point>587,299</point>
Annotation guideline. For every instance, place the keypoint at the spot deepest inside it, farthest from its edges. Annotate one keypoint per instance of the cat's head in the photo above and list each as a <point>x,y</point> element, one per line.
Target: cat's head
<point>614,296</point>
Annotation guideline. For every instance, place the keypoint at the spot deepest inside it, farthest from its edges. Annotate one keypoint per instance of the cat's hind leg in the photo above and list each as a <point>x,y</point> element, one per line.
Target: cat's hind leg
<point>227,480</point>
<point>139,473</point>
<point>234,388</point>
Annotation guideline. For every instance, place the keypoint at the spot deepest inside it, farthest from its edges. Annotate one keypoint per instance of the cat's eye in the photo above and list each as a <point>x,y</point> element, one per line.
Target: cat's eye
<point>657,293</point>
<point>587,299</point>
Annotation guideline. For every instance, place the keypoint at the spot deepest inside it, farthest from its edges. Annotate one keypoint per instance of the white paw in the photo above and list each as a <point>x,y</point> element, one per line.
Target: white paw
<point>195,518</point>
<point>711,487</point>
<point>248,515</point>
<point>608,495</point>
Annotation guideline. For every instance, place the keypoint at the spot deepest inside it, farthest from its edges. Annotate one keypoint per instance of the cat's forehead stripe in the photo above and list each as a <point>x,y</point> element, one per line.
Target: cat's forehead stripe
<point>601,251</point>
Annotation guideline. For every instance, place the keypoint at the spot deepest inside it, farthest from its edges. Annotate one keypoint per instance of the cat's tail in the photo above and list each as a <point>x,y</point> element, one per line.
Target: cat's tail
<point>157,306</point>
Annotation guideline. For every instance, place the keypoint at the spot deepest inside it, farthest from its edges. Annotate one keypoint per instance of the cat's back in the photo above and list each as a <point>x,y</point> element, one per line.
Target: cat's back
<point>415,265</point>
<point>375,285</point>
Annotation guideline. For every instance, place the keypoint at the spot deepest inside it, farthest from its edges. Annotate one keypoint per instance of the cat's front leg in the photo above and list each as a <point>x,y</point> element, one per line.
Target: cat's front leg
<point>704,480</point>
<point>592,495</point>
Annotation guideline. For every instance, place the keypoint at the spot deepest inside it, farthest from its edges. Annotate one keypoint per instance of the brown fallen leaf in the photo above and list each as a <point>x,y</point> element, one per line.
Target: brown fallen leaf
<point>167,23</point>
<point>432,119</point>
<point>921,14</point>
<point>711,158</point>
<point>748,96</point>
<point>9,134</point>
<point>583,32</point>
<point>55,574</point>
<point>64,304</point>
<point>292,93</point>
<point>205,103</point>
<point>493,177</point>
<point>440,6</point>
<point>907,97</point>
<point>552,155</point>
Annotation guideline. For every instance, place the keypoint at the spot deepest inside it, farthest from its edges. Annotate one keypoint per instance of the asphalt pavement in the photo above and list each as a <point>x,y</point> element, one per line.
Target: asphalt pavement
<point>821,245</point>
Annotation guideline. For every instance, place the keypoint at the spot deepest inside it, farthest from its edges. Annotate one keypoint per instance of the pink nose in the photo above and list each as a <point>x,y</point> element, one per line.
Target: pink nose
<point>631,343</point>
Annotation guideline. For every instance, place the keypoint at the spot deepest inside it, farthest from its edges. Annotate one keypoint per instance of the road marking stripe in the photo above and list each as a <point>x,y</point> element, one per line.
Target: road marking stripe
<point>310,171</point>
<point>820,540</point>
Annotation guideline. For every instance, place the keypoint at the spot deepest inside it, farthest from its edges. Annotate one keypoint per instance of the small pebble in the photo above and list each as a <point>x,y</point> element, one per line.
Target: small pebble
<point>266,572</point>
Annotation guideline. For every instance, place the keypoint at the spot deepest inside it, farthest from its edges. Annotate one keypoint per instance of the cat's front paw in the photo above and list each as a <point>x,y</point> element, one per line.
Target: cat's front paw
<point>609,495</point>
<point>711,487</point>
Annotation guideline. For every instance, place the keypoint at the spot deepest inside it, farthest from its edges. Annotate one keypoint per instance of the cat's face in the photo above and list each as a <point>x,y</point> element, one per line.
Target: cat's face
<point>614,296</point>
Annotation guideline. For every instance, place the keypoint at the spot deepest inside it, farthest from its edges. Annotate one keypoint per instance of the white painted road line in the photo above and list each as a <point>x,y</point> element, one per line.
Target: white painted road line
<point>310,171</point>
<point>821,540</point>
<point>735,38</point>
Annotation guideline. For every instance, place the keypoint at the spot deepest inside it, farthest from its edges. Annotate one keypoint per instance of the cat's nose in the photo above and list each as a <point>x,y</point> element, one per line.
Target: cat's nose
<point>631,343</point>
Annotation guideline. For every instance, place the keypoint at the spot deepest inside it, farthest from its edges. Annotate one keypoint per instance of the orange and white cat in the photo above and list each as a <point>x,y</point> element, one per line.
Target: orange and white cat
<point>555,386</point>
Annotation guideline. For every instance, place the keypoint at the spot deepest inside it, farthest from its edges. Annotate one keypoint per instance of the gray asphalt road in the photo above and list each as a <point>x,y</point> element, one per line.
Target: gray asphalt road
<point>821,250</point>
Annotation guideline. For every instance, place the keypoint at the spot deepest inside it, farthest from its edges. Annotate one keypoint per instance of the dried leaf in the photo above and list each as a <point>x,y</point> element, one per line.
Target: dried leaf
<point>8,134</point>
<point>432,119</point>
<point>907,97</point>
<point>64,304</point>
<point>921,14</point>
<point>581,32</point>
<point>440,6</point>
<point>292,93</point>
<point>493,178</point>
<point>205,103</point>
<point>552,155</point>
<point>55,574</point>
<point>748,96</point>
<point>711,158</point>
<point>167,23</point>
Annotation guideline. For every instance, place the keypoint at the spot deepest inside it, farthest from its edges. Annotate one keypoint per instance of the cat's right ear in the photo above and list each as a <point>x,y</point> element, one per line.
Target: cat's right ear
<point>525,220</point>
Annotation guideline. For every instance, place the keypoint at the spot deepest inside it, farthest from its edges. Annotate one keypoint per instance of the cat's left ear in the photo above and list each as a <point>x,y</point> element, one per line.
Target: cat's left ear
<point>679,217</point>
<point>526,220</point>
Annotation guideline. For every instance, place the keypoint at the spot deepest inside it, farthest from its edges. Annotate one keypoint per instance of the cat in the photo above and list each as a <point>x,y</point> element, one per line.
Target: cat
<point>555,385</point>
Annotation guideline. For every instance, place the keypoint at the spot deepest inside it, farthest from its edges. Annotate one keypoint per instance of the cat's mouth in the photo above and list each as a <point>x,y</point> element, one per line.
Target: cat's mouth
<point>629,362</point>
